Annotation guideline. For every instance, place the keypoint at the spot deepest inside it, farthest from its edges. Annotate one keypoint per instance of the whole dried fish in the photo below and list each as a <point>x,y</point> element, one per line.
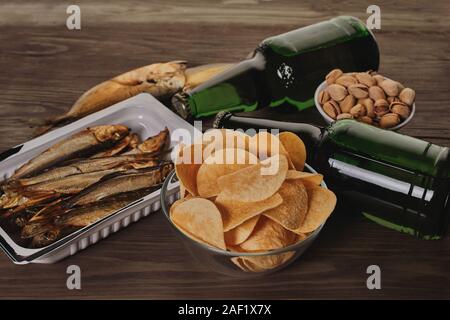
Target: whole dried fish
<point>83,143</point>
<point>156,143</point>
<point>42,239</point>
<point>81,166</point>
<point>26,197</point>
<point>47,231</point>
<point>120,184</point>
<point>118,147</point>
<point>198,75</point>
<point>22,199</point>
<point>159,79</point>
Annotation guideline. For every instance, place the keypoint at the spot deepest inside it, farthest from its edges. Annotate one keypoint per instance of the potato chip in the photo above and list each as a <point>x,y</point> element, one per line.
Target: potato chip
<point>238,261</point>
<point>266,262</point>
<point>187,165</point>
<point>295,148</point>
<point>268,235</point>
<point>218,139</point>
<point>220,163</point>
<point>235,213</point>
<point>256,182</point>
<point>308,179</point>
<point>241,232</point>
<point>321,203</point>
<point>265,145</point>
<point>183,191</point>
<point>199,218</point>
<point>291,213</point>
<point>301,237</point>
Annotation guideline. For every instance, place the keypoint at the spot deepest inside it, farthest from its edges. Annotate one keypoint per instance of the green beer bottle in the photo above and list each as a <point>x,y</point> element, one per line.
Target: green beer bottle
<point>395,180</point>
<point>285,69</point>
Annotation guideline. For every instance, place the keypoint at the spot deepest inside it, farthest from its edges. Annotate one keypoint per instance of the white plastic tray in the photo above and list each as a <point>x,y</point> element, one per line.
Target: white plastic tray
<point>144,115</point>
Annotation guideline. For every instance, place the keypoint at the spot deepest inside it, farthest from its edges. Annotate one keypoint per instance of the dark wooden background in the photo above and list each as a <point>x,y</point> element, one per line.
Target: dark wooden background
<point>44,67</point>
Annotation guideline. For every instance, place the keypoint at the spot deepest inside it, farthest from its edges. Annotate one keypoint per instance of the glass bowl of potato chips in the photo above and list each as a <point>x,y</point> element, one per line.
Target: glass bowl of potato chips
<point>246,205</point>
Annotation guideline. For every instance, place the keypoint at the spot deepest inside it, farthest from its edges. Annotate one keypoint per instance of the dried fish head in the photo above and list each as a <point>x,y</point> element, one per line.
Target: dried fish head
<point>113,132</point>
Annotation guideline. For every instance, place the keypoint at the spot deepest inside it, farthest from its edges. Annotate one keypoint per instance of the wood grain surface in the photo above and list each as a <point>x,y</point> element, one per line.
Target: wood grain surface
<point>44,67</point>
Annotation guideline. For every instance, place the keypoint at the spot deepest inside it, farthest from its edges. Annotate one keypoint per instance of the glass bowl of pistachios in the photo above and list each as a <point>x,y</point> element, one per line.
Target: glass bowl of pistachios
<point>368,97</point>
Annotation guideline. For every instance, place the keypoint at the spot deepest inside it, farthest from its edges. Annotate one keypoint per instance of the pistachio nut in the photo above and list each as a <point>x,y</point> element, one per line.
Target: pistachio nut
<point>400,87</point>
<point>407,96</point>
<point>333,75</point>
<point>324,96</point>
<point>337,92</point>
<point>390,87</point>
<point>389,120</point>
<point>381,107</point>
<point>346,80</point>
<point>331,108</point>
<point>376,93</point>
<point>347,103</point>
<point>359,91</point>
<point>378,78</point>
<point>368,103</point>
<point>366,79</point>
<point>401,109</point>
<point>358,111</point>
<point>392,99</point>
<point>365,119</point>
<point>344,115</point>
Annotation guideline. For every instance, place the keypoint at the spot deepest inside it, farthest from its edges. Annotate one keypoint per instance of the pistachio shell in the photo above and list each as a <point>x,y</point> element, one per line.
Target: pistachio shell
<point>365,119</point>
<point>401,109</point>
<point>378,78</point>
<point>346,80</point>
<point>366,79</point>
<point>324,96</point>
<point>347,103</point>
<point>407,96</point>
<point>359,91</point>
<point>331,108</point>
<point>333,75</point>
<point>368,103</point>
<point>358,111</point>
<point>376,93</point>
<point>389,120</point>
<point>390,87</point>
<point>392,99</point>
<point>344,116</point>
<point>381,107</point>
<point>337,92</point>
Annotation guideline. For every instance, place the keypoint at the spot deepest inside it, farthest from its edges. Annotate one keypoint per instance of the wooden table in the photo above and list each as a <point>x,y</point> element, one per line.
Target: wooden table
<point>45,67</point>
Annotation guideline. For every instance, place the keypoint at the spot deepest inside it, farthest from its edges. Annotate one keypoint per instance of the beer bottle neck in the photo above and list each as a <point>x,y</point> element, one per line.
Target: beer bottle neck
<point>310,134</point>
<point>239,88</point>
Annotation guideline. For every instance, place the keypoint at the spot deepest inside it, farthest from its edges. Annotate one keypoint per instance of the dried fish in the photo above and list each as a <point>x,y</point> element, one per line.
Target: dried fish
<point>156,143</point>
<point>45,232</point>
<point>159,79</point>
<point>120,184</point>
<point>81,166</point>
<point>117,148</point>
<point>198,75</point>
<point>21,199</point>
<point>45,238</point>
<point>83,143</point>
